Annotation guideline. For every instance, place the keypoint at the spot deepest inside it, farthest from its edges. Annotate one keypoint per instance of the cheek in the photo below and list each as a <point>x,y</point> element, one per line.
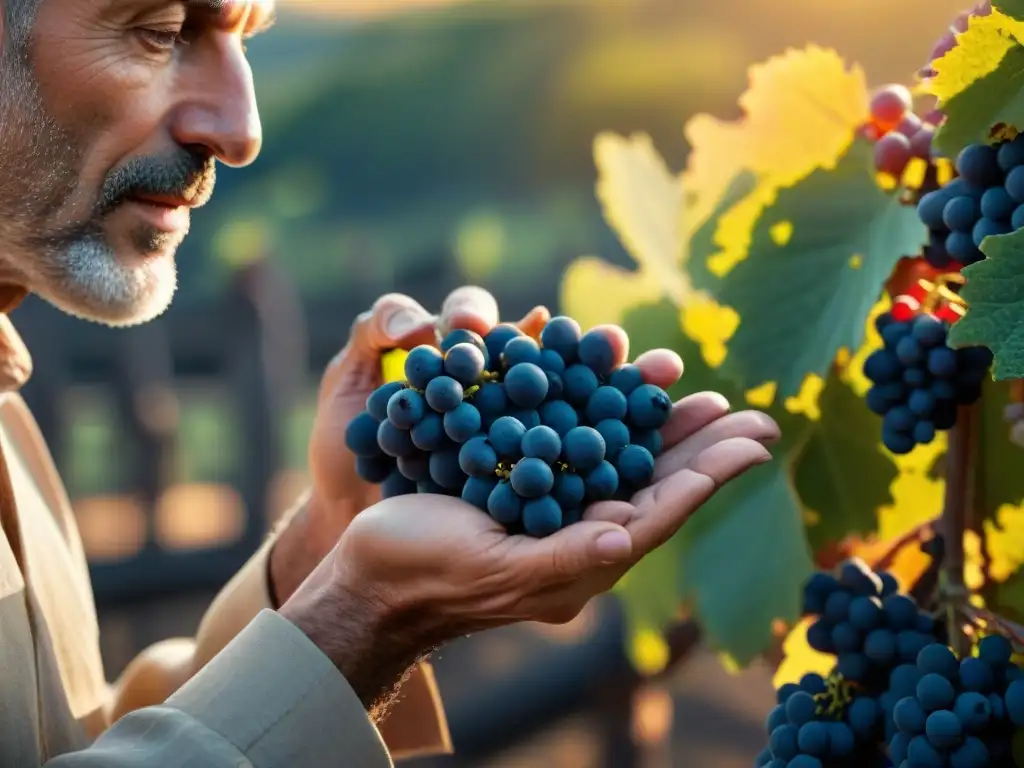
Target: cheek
<point>112,104</point>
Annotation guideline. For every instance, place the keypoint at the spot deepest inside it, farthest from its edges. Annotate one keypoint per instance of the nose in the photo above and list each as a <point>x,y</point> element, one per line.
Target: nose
<point>217,109</point>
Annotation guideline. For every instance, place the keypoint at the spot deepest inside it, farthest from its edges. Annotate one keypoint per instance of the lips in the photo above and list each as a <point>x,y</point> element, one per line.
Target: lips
<point>163,201</point>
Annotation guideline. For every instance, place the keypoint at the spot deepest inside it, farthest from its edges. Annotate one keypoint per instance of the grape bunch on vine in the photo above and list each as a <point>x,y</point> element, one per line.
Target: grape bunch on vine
<point>850,260</point>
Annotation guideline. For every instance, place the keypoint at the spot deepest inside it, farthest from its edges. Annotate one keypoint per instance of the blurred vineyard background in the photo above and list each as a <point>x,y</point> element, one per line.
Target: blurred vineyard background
<point>410,146</point>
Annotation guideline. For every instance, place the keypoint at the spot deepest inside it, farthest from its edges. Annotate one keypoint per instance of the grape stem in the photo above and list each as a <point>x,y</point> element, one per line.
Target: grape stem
<point>916,535</point>
<point>985,619</point>
<point>957,513</point>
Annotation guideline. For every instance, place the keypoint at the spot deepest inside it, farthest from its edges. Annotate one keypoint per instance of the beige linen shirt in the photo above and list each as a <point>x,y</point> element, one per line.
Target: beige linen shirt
<point>264,695</point>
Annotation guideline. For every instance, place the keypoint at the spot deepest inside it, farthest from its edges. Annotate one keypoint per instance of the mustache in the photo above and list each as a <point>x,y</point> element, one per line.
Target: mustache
<point>185,174</point>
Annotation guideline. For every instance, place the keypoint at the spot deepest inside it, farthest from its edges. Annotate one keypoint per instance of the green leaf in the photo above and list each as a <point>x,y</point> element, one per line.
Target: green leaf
<point>999,465</point>
<point>993,98</point>
<point>1012,8</point>
<point>842,474</point>
<point>755,519</point>
<point>995,304</point>
<point>804,298</point>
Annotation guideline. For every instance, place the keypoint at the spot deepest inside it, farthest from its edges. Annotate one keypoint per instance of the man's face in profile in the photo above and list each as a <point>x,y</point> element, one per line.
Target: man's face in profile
<point>112,115</point>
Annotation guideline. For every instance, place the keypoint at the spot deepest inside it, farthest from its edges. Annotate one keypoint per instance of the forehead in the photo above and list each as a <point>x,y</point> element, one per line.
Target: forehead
<point>233,12</point>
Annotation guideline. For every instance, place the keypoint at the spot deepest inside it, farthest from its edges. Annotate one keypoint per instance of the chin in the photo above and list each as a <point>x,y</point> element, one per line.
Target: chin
<point>113,291</point>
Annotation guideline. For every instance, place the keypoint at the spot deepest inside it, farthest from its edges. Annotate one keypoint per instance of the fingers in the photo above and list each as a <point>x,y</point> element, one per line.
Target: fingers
<point>662,508</point>
<point>394,321</point>
<point>470,308</point>
<point>750,425</point>
<point>661,367</point>
<point>692,414</point>
<point>572,552</point>
<point>534,321</point>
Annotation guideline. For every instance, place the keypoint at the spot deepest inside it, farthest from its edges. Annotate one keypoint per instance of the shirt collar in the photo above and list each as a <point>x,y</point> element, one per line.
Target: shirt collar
<point>15,361</point>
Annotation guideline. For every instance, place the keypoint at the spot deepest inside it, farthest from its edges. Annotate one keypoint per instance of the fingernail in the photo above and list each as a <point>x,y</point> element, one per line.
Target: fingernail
<point>614,546</point>
<point>402,322</point>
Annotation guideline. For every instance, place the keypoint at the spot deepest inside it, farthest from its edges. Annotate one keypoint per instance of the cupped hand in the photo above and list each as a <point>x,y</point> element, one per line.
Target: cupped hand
<point>452,570</point>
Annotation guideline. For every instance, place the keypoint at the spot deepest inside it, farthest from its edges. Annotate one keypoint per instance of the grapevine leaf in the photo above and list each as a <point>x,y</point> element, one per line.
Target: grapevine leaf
<point>734,526</point>
<point>999,468</point>
<point>995,299</point>
<point>842,474</point>
<point>979,82</point>
<point>704,242</point>
<point>642,201</point>
<point>817,263</point>
<point>1012,8</point>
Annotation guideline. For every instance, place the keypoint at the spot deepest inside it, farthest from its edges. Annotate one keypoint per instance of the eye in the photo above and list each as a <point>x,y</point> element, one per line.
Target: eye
<point>161,40</point>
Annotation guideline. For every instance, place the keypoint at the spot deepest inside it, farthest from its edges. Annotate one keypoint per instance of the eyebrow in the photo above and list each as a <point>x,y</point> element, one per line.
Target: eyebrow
<point>224,8</point>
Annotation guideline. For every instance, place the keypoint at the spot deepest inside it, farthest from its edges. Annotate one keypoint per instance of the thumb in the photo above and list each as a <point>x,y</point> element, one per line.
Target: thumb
<point>577,549</point>
<point>394,321</point>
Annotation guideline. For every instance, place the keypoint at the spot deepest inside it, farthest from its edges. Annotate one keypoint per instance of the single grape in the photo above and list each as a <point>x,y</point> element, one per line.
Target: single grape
<point>897,442</point>
<point>923,432</point>
<point>975,675</point>
<point>429,434</point>
<point>863,716</point>
<point>551,362</point>
<point>971,754</point>
<point>422,365</point>
<point>921,142</point>
<point>635,465</point>
<point>394,441</point>
<point>406,408</point>
<point>498,337</point>
<point>909,351</point>
<point>837,606</point>
<point>930,208</point>
<point>650,439</point>
<point>361,435</point>
<point>977,164</point>
<point>909,125</point>
<point>444,394</point>
<point>1014,702</point>
<point>880,646</point>
<point>935,692</point>
<point>490,399</point>
<point>445,469</point>
<point>396,484</point>
<point>626,378</point>
<point>580,383</point>
<point>377,403</point>
<point>583,448</point>
<point>855,667</point>
<point>921,402</point>
<point>973,710</point>
<point>961,247</point>
<point>961,213</point>
<point>462,423</point>
<point>477,458</point>
<point>526,385</point>
<point>819,637</point>
<point>892,153</point>
<point>556,387</point>
<point>900,419</point>
<point>995,650</point>
<point>989,228</point>
<point>374,469</point>
<point>558,415</point>
<point>477,490</point>
<point>942,362</point>
<point>996,203</point>
<point>812,738</point>
<point>893,332</point>
<point>943,729</point>
<point>900,612</point>
<point>465,363</point>
<point>531,478</point>
<point>916,377</point>
<point>415,466</point>
<point>801,708</point>
<point>616,436</point>
<point>462,336</point>
<point>506,437</point>
<point>569,489</point>
<point>1010,154</point>
<point>596,352</point>
<point>504,505</point>
<point>1017,218</point>
<point>649,407</point>
<point>601,482</point>
<point>939,659</point>
<point>845,638</point>
<point>521,349</point>
<point>542,517</point>
<point>562,334</point>
<point>606,403</point>
<point>1015,184</point>
<point>542,443</point>
<point>889,104</point>
<point>920,751</point>
<point>909,716</point>
<point>882,366</point>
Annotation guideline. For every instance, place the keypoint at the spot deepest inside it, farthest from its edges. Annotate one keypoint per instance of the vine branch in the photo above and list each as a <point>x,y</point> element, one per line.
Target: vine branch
<point>957,513</point>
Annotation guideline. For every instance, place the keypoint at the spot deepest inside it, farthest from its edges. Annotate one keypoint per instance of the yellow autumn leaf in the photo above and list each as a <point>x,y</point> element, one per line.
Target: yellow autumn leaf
<point>392,365</point>
<point>800,659</point>
<point>594,292</point>
<point>801,111</point>
<point>642,201</point>
<point>853,372</point>
<point>648,651</point>
<point>1004,540</point>
<point>979,50</point>
<point>709,324</point>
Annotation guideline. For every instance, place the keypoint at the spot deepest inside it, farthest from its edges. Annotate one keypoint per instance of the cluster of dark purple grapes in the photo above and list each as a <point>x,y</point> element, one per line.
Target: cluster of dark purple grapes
<point>529,432</point>
<point>985,199</point>
<point>897,696</point>
<point>900,135</point>
<point>918,381</point>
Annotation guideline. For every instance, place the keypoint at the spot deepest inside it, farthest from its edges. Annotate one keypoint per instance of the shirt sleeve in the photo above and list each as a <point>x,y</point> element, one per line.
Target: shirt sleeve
<point>416,724</point>
<point>269,699</point>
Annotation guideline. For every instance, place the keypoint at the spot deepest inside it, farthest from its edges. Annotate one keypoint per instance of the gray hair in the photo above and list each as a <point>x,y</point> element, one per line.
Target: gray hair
<point>18,18</point>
